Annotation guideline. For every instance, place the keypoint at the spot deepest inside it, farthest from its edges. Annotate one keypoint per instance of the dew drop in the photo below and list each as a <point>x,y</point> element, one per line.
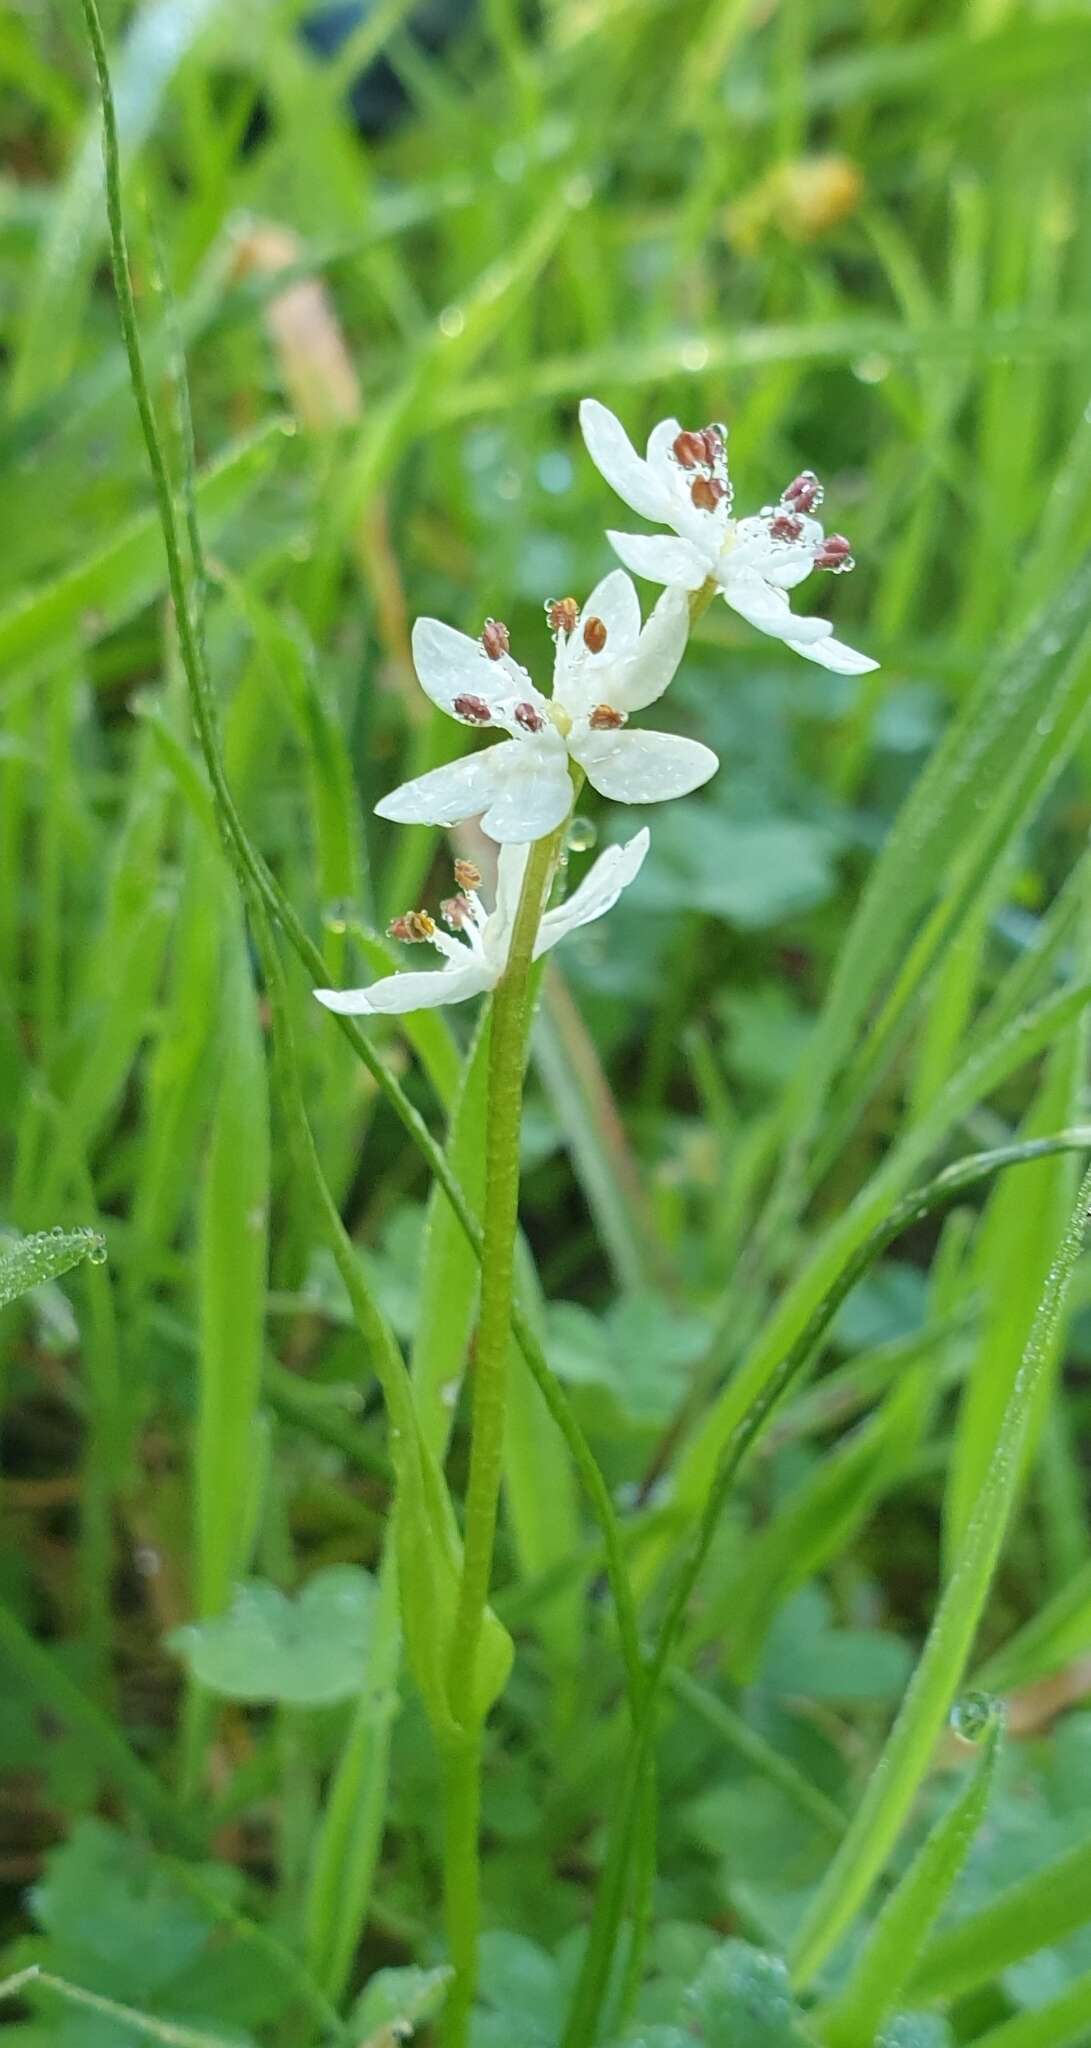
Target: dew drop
<point>96,1251</point>
<point>581,835</point>
<point>58,1230</point>
<point>336,915</point>
<point>973,1715</point>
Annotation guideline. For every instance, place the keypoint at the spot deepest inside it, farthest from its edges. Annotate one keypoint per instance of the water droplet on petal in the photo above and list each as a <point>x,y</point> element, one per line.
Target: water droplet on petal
<point>581,835</point>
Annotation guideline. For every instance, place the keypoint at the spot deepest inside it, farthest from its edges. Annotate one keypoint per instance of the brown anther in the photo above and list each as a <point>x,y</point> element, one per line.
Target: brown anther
<point>563,614</point>
<point>456,911</point>
<point>803,493</point>
<point>412,928</point>
<point>835,553</point>
<point>594,635</point>
<point>689,449</point>
<point>706,492</point>
<point>473,709</point>
<point>785,526</point>
<point>712,443</point>
<point>529,717</point>
<point>605,719</point>
<point>495,638</point>
<point>467,875</point>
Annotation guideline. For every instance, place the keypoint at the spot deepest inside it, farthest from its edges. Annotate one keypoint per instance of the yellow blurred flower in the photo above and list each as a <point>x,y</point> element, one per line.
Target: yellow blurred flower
<point>801,200</point>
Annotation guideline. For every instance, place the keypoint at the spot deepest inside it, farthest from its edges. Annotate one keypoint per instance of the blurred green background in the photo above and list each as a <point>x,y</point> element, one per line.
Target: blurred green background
<point>397,245</point>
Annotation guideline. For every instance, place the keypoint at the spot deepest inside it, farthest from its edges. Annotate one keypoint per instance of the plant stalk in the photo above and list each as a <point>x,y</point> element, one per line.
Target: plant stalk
<point>511,1005</point>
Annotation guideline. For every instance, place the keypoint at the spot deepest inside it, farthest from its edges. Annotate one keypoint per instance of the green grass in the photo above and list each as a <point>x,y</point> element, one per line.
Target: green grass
<point>794,1448</point>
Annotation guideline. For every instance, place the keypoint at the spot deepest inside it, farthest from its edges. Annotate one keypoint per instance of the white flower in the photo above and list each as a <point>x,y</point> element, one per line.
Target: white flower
<point>606,667</point>
<point>684,483</point>
<point>475,959</point>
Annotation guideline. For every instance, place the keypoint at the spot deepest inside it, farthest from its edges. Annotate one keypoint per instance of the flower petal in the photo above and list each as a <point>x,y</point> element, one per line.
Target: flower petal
<point>534,796</point>
<point>778,562</point>
<point>660,649</point>
<point>768,609</point>
<point>510,869</point>
<point>597,893</point>
<point>397,994</point>
<point>614,456</point>
<point>643,767</point>
<point>449,664</point>
<point>661,558</point>
<point>833,654</point>
<point>460,789</point>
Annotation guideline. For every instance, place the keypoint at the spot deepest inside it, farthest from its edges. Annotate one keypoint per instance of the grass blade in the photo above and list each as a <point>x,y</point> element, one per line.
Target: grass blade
<point>935,1682</point>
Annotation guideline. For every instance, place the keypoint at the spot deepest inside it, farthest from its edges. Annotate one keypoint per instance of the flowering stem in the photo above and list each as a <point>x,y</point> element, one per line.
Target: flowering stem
<point>507,1057</point>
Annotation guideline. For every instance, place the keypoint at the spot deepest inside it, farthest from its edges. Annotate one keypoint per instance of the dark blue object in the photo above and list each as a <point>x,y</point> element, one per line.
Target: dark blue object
<point>377,97</point>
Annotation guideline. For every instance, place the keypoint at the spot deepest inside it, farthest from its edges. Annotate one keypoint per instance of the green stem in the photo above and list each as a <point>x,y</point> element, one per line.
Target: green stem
<point>507,1060</point>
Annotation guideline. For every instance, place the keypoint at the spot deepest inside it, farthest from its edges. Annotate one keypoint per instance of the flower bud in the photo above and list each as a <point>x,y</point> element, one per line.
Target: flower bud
<point>495,639</point>
<point>474,710</point>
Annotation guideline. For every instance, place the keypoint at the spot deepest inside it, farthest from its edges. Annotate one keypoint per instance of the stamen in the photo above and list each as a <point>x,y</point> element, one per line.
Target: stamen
<point>605,719</point>
<point>688,449</point>
<point>495,639</point>
<point>412,928</point>
<point>706,492</point>
<point>467,875</point>
<point>528,717</point>
<point>563,614</point>
<point>712,441</point>
<point>594,635</point>
<point>835,553</point>
<point>804,492</point>
<point>473,709</point>
<point>785,526</point>
<point>456,912</point>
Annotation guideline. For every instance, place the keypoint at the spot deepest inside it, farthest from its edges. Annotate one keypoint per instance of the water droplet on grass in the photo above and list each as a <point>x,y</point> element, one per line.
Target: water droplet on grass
<point>581,835</point>
<point>972,1716</point>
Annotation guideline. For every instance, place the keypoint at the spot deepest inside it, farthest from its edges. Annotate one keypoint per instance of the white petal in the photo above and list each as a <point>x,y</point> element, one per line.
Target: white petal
<point>661,558</point>
<point>613,454</point>
<point>533,799</point>
<point>510,869</point>
<point>662,645</point>
<point>397,994</point>
<point>833,654</point>
<point>643,767</point>
<point>661,442</point>
<point>460,789</point>
<point>616,603</point>
<point>449,664</point>
<point>756,600</point>
<point>597,893</point>
<point>776,561</point>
